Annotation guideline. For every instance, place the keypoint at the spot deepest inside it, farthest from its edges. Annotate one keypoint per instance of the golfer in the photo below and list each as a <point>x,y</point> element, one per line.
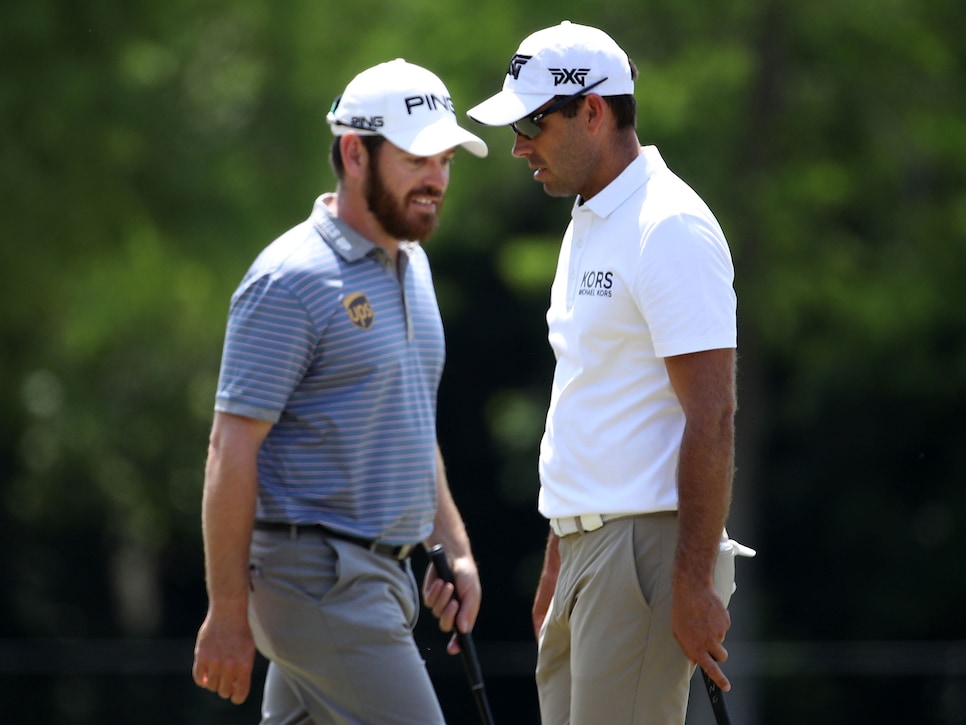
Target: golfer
<point>637,458</point>
<point>323,469</point>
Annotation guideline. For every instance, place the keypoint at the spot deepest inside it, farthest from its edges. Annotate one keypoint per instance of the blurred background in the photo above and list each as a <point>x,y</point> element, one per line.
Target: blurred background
<point>150,150</point>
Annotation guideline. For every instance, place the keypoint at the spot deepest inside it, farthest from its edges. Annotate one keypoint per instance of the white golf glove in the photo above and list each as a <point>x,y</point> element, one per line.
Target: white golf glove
<point>724,570</point>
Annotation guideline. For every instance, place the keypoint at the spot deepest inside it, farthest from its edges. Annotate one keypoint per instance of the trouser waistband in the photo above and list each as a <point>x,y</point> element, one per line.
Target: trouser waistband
<point>399,552</point>
<point>569,525</point>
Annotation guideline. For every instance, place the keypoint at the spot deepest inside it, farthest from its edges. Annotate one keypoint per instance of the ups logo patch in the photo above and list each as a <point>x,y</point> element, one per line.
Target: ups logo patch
<point>359,310</point>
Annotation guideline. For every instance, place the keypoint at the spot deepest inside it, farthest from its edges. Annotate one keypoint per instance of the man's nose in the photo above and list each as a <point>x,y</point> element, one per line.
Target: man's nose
<point>522,146</point>
<point>437,175</point>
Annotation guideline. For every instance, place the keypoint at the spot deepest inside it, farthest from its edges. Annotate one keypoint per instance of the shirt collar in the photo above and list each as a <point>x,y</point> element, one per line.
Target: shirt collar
<point>344,240</point>
<point>604,202</point>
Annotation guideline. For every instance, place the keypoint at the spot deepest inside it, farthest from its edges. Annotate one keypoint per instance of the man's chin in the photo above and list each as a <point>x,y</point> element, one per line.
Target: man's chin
<point>423,228</point>
<point>555,191</point>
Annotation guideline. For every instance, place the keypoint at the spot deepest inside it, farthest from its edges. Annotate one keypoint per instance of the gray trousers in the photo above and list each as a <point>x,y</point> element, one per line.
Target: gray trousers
<point>336,622</point>
<point>606,652</point>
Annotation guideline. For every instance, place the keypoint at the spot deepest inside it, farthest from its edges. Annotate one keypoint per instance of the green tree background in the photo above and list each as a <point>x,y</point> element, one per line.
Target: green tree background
<point>152,149</point>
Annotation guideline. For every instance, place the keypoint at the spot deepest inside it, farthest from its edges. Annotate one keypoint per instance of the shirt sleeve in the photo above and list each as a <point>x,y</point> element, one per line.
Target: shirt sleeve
<point>684,286</point>
<point>269,345</point>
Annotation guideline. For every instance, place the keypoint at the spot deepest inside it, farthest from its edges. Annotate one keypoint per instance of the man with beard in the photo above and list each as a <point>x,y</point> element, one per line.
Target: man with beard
<point>323,469</point>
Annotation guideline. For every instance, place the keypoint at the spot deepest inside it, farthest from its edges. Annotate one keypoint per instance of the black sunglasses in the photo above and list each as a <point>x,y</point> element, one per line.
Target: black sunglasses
<point>529,126</point>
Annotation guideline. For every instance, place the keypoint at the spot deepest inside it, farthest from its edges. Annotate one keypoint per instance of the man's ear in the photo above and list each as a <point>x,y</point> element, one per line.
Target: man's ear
<point>595,110</point>
<point>355,155</point>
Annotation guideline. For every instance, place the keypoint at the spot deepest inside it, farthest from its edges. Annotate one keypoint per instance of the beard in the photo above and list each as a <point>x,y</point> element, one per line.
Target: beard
<point>391,212</point>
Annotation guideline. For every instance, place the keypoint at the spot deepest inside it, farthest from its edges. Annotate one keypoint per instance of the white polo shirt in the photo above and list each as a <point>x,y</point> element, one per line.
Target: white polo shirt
<point>644,273</point>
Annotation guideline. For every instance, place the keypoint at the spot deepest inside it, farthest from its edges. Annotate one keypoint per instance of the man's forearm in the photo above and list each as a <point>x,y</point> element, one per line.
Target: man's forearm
<point>704,383</point>
<point>228,514</point>
<point>705,474</point>
<point>448,529</point>
<point>227,526</point>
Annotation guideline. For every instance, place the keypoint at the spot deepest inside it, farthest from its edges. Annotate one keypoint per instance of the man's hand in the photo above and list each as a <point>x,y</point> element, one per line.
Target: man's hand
<point>699,622</point>
<point>460,610</point>
<point>224,658</point>
<point>547,585</point>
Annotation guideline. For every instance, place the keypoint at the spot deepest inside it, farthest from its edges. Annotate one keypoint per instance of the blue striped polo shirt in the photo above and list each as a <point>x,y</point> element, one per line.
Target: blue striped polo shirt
<point>344,356</point>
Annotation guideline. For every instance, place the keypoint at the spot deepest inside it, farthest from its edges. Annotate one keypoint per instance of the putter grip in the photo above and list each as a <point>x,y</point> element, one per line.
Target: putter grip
<point>474,673</point>
<point>718,706</point>
<point>438,557</point>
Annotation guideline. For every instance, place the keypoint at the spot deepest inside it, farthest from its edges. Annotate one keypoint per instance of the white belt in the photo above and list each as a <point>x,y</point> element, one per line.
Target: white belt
<point>568,525</point>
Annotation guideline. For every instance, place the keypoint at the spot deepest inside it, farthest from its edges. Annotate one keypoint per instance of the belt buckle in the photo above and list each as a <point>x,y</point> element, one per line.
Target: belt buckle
<point>399,553</point>
<point>570,525</point>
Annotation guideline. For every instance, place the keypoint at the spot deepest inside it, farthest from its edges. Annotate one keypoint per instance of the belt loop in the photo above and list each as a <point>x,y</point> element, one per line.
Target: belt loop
<point>293,532</point>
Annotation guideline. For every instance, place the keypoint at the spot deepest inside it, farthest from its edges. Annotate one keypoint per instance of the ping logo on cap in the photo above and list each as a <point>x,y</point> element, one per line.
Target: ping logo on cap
<point>370,123</point>
<point>359,310</point>
<point>431,102</point>
<point>516,64</point>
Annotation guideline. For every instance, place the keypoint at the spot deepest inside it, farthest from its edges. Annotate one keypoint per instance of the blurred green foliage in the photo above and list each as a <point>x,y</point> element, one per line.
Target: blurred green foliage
<point>152,149</point>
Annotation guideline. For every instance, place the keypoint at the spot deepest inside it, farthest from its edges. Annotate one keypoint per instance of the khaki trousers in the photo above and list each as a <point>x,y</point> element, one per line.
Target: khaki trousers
<point>606,652</point>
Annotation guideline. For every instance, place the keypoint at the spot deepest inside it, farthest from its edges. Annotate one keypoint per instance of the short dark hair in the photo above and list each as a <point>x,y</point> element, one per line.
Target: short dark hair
<point>372,144</point>
<point>623,107</point>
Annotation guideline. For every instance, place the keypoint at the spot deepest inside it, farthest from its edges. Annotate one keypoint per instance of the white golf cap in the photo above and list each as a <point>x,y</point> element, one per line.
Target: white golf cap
<point>408,105</point>
<point>556,61</point>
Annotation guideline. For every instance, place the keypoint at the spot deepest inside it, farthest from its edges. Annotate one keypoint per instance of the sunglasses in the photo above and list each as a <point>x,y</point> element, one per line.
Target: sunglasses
<point>529,126</point>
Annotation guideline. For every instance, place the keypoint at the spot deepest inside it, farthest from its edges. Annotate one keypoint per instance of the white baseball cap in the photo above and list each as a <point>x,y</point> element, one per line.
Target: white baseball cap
<point>556,61</point>
<point>407,104</point>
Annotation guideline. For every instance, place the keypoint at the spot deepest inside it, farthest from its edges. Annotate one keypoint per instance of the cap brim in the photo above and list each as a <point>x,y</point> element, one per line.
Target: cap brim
<point>436,138</point>
<point>506,107</point>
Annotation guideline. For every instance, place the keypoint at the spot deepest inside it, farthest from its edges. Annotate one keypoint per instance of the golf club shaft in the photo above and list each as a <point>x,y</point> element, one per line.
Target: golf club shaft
<point>470,659</point>
<point>718,705</point>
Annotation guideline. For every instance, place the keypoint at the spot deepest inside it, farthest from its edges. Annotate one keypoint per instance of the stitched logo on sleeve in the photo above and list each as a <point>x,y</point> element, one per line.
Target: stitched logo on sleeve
<point>359,310</point>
